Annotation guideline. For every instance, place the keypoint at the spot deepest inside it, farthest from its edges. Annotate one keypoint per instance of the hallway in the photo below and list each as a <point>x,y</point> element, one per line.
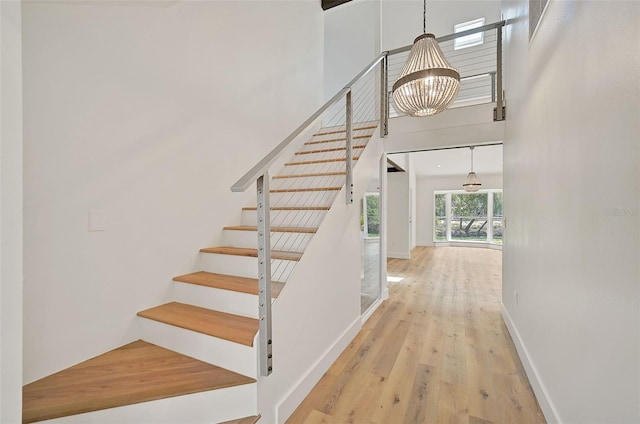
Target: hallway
<point>436,352</point>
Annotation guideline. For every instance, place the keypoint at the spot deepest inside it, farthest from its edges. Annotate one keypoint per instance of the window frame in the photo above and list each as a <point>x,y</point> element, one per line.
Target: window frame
<point>471,40</point>
<point>448,212</point>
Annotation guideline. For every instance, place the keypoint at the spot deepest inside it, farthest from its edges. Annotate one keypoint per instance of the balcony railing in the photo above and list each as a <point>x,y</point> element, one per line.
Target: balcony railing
<point>480,67</point>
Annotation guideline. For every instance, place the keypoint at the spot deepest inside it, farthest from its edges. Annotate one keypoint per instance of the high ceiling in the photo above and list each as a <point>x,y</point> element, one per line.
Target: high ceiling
<point>486,160</point>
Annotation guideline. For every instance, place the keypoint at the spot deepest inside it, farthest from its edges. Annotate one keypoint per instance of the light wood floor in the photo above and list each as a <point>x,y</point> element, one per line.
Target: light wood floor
<point>436,352</point>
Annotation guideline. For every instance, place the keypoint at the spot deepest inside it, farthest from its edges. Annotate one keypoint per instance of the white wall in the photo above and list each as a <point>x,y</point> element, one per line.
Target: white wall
<point>11,225</point>
<point>146,112</point>
<point>352,41</point>
<point>572,204</point>
<point>402,19</point>
<point>398,215</point>
<point>318,313</point>
<point>413,233</point>
<point>424,199</point>
<point>464,126</point>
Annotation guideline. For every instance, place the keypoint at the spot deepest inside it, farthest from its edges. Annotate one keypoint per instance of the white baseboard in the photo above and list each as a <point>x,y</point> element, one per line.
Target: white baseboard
<point>544,400</point>
<point>371,310</point>
<point>398,255</point>
<point>474,244</point>
<point>306,383</point>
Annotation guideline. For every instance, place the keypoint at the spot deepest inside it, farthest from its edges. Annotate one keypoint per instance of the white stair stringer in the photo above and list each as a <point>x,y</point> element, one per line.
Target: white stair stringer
<point>228,301</point>
<point>243,266</point>
<point>213,350</point>
<point>286,241</point>
<point>206,407</point>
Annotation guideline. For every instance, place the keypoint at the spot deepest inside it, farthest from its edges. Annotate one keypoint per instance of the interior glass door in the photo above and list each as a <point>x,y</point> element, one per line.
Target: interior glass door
<point>370,240</point>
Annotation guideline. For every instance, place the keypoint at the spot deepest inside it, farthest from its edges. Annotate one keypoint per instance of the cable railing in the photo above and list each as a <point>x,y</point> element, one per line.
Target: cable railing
<point>315,162</point>
<point>291,204</point>
<point>478,66</point>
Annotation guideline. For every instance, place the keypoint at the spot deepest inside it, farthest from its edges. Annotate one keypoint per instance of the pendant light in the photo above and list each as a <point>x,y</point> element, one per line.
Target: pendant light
<point>428,84</point>
<point>472,183</point>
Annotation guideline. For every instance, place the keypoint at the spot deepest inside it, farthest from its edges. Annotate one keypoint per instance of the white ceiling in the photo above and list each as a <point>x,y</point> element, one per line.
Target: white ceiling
<point>486,160</point>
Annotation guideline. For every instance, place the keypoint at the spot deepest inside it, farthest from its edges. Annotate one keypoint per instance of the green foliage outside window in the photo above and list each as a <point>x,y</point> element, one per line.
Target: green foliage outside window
<point>373,215</point>
<point>469,218</point>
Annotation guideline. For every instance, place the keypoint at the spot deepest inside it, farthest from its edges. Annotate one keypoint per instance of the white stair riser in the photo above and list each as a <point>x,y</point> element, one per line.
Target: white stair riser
<point>228,301</point>
<point>212,406</point>
<point>308,182</point>
<point>279,218</point>
<point>314,198</point>
<point>243,266</point>
<point>290,242</point>
<point>223,353</point>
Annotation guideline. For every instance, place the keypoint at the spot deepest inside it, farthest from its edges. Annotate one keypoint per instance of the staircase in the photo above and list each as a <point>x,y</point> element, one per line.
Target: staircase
<point>170,376</point>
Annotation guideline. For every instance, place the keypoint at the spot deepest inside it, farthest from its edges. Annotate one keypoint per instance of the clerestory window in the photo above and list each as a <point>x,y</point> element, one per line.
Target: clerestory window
<point>468,40</point>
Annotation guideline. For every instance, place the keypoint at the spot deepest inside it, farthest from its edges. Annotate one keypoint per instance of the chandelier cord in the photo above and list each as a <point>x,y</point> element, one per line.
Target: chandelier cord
<point>424,18</point>
<point>471,158</point>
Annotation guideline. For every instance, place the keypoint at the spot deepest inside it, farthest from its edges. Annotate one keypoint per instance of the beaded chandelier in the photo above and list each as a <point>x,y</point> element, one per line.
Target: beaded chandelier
<point>428,84</point>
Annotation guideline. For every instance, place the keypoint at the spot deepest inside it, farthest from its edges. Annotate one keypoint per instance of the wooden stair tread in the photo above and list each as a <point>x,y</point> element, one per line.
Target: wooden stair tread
<point>334,149</point>
<point>303,189</point>
<point>246,420</point>
<point>133,373</point>
<point>291,208</point>
<point>310,174</point>
<point>331,140</point>
<point>306,230</point>
<point>227,282</point>
<point>243,251</point>
<point>309,162</point>
<point>234,328</point>
<point>345,130</point>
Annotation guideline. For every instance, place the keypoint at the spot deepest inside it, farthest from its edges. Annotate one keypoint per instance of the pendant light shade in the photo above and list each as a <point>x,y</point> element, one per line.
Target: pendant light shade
<point>428,84</point>
<point>472,183</point>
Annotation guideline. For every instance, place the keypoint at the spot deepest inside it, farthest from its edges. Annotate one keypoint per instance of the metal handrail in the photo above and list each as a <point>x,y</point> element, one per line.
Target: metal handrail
<point>453,36</point>
<point>261,167</point>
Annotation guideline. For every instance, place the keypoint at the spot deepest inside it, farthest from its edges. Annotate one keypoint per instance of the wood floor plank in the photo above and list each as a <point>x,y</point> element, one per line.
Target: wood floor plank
<point>354,408</point>
<point>424,395</point>
<point>134,373</point>
<point>456,362</point>
<point>225,326</point>
<point>396,397</point>
<point>227,282</point>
